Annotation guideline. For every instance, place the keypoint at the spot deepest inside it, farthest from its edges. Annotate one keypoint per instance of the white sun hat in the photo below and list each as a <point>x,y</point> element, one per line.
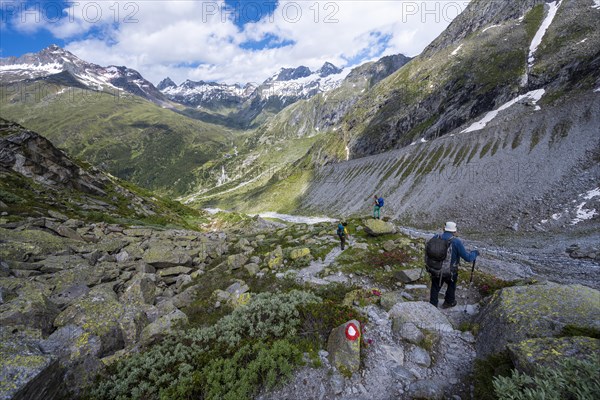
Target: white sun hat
<point>450,227</point>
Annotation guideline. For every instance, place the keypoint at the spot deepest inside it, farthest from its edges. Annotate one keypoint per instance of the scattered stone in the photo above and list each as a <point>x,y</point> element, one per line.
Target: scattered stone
<point>252,268</point>
<point>407,331</point>
<point>389,245</point>
<point>393,354</point>
<point>421,314</point>
<point>389,299</point>
<point>409,275</point>
<point>174,271</point>
<point>419,356</point>
<point>141,290</point>
<point>426,389</point>
<point>236,261</point>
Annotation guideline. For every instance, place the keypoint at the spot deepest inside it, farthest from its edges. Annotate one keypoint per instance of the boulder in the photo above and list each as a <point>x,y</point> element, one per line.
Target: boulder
<point>99,313</point>
<point>275,259</point>
<point>343,346</point>
<point>377,227</point>
<point>531,354</point>
<point>299,253</point>
<point>421,314</point>
<point>162,326</point>
<point>522,312</point>
<point>25,372</point>
<point>140,290</point>
<point>252,268</point>
<point>132,323</point>
<point>236,261</point>
<point>28,305</point>
<point>165,256</point>
<point>409,275</point>
<point>182,280</point>
<point>78,353</point>
<point>188,296</point>
<point>67,296</point>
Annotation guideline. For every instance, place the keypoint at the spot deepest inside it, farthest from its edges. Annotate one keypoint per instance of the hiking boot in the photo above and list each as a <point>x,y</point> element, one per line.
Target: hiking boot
<point>449,305</point>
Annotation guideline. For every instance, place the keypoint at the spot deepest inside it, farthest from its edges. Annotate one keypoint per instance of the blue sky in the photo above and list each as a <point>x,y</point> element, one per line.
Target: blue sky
<point>227,41</point>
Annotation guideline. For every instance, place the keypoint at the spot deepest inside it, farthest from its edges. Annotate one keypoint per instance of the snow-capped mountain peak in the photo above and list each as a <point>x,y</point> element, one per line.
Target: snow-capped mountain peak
<point>55,60</point>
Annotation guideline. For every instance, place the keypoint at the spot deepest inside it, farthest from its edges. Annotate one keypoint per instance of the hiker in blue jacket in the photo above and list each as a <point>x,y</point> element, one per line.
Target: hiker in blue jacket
<point>377,206</point>
<point>457,252</point>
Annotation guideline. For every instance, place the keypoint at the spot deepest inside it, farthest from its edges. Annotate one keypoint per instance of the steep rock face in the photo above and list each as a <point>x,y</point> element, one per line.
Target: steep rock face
<point>513,172</point>
<point>33,156</point>
<point>484,59</point>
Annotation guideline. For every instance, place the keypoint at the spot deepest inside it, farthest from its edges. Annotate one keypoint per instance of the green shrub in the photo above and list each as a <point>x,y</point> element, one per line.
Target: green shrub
<point>170,369</point>
<point>571,379</point>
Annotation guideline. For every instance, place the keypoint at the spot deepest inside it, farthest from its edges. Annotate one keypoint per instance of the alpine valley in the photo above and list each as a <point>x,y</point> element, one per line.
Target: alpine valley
<point>144,229</point>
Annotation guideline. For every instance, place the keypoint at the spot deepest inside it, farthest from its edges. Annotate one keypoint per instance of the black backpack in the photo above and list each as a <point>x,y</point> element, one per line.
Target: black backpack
<point>437,256</point>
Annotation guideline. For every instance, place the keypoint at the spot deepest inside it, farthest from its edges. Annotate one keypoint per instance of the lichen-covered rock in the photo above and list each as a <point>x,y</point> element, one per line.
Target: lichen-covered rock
<point>343,346</point>
<point>188,296</point>
<point>389,245</point>
<point>98,313</point>
<point>531,354</point>
<point>361,297</point>
<point>377,227</point>
<point>389,299</point>
<point>299,253</point>
<point>165,256</point>
<point>29,305</point>
<point>25,372</point>
<point>252,268</point>
<point>78,353</point>
<point>422,315</point>
<point>65,297</point>
<point>236,261</point>
<point>140,290</point>
<point>275,259</point>
<point>522,312</point>
<point>162,326</point>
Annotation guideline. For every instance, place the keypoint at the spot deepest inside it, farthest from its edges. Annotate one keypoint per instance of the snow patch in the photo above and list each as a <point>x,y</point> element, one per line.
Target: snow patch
<point>534,96</point>
<point>537,39</point>
<point>583,214</point>
<point>596,4</point>
<point>592,193</point>
<point>455,52</point>
<point>597,90</point>
<point>489,27</point>
<point>584,40</point>
<point>423,140</point>
<point>556,216</point>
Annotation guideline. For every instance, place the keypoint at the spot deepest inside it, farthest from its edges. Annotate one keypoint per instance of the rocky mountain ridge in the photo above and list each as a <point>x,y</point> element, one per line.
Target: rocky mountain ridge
<point>54,61</point>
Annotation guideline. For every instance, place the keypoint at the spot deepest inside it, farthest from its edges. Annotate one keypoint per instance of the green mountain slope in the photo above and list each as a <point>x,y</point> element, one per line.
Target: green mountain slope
<point>126,135</point>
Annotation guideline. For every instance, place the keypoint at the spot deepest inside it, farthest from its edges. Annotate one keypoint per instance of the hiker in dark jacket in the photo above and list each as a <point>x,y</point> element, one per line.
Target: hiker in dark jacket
<point>342,233</point>
<point>457,252</point>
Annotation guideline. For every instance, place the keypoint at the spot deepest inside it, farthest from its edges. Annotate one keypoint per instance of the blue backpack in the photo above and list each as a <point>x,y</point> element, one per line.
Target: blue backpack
<point>340,230</point>
<point>380,202</point>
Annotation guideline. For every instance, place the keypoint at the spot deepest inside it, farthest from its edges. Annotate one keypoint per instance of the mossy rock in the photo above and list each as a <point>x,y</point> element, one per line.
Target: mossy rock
<point>531,354</point>
<point>377,227</point>
<point>518,313</point>
<point>165,256</point>
<point>299,253</point>
<point>361,297</point>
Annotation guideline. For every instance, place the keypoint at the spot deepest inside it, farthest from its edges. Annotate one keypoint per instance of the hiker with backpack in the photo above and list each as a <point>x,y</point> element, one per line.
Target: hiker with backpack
<point>342,233</point>
<point>379,202</point>
<point>442,258</point>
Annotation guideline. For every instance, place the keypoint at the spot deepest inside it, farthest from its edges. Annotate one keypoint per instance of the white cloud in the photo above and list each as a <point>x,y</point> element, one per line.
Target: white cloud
<point>199,39</point>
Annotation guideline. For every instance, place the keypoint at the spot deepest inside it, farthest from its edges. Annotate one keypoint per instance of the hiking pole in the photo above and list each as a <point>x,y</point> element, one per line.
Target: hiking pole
<point>470,284</point>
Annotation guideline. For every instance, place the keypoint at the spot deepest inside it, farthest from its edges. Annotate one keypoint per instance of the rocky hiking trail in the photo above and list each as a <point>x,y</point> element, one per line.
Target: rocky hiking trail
<point>87,295</point>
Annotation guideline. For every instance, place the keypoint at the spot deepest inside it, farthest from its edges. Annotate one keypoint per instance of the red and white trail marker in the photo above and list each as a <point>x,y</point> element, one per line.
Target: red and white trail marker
<point>352,332</point>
